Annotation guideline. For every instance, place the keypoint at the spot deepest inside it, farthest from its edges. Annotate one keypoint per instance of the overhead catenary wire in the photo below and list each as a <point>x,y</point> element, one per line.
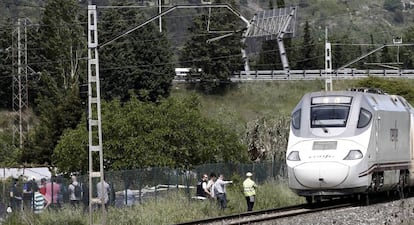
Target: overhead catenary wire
<point>144,40</point>
<point>177,62</point>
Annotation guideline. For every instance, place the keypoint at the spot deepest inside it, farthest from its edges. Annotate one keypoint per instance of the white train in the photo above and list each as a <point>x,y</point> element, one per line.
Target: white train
<point>350,142</point>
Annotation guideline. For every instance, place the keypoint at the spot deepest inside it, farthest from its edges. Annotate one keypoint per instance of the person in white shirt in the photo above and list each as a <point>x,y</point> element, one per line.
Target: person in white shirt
<point>75,192</point>
<point>220,191</point>
<point>103,192</point>
<point>210,185</point>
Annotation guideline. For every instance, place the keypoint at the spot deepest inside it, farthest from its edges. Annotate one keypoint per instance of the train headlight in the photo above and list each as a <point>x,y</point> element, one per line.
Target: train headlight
<point>293,156</point>
<point>353,155</point>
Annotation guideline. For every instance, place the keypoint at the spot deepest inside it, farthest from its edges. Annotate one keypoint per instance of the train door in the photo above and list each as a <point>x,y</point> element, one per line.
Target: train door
<point>377,178</point>
<point>411,175</point>
<point>377,137</point>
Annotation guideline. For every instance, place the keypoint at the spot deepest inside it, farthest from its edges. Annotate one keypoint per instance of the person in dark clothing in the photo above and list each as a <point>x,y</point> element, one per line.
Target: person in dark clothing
<point>15,196</point>
<point>202,191</point>
<point>85,197</point>
<point>29,188</point>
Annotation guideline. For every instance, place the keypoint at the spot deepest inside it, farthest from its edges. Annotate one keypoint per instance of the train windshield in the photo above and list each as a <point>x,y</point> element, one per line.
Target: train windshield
<point>329,115</point>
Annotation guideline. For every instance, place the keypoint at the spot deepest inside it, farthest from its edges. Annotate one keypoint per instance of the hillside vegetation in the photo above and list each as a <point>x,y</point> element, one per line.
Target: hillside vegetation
<point>248,101</point>
<point>143,111</point>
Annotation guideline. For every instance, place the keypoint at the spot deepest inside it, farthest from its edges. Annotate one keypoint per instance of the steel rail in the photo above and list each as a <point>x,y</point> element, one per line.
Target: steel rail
<point>271,214</point>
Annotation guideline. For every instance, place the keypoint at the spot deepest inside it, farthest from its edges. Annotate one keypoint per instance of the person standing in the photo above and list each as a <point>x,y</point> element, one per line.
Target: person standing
<point>29,188</point>
<point>75,192</point>
<point>220,191</point>
<point>52,193</point>
<point>39,202</point>
<point>15,196</point>
<point>42,188</point>
<point>249,190</point>
<point>202,191</point>
<point>103,192</point>
<point>85,197</point>
<point>210,185</point>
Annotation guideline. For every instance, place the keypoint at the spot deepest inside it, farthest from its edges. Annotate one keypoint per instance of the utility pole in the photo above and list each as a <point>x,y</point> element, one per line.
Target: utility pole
<point>94,95</point>
<point>94,115</point>
<point>159,12</point>
<point>328,63</point>
<point>19,83</point>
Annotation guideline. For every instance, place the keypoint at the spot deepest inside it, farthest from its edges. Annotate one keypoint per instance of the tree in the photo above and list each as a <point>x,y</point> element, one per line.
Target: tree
<point>395,87</point>
<point>62,44</point>
<point>267,138</point>
<point>343,53</point>
<point>280,3</point>
<point>139,63</point>
<point>408,52</point>
<point>270,4</point>
<point>6,66</point>
<point>371,58</point>
<point>386,55</point>
<point>308,49</point>
<point>269,58</point>
<point>172,133</point>
<point>218,59</point>
<point>393,5</point>
<point>9,154</point>
<point>61,48</point>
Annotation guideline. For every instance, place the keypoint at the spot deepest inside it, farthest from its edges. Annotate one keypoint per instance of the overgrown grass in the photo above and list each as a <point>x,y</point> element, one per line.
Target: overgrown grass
<point>174,208</point>
<point>249,101</point>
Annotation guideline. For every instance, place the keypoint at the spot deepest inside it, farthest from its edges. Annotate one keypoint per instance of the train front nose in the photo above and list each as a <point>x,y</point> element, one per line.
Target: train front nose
<point>321,174</point>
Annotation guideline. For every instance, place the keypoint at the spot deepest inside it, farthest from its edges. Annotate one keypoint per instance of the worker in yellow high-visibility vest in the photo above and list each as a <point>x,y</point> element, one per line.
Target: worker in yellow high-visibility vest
<point>249,190</point>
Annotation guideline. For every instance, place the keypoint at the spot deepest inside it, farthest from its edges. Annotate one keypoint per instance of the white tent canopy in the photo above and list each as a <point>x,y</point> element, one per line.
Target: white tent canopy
<point>38,172</point>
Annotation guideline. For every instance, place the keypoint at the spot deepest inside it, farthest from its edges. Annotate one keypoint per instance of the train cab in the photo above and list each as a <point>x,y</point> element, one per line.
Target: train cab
<point>337,138</point>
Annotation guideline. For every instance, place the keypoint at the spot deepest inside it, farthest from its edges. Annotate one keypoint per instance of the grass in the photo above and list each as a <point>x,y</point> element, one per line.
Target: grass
<point>249,101</point>
<point>174,208</point>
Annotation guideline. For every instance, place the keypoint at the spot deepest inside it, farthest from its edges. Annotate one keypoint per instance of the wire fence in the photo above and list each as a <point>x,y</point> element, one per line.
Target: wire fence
<point>130,187</point>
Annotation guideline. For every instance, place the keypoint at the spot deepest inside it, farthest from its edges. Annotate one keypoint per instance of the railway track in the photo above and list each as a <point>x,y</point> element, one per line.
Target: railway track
<point>273,214</point>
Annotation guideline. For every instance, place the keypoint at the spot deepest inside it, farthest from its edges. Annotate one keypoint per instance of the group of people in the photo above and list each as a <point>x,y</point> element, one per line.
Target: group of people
<point>47,194</point>
<point>215,188</point>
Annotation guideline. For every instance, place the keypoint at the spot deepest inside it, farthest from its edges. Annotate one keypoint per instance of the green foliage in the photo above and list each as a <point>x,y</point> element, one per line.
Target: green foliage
<point>56,114</point>
<point>395,87</point>
<point>139,63</point>
<point>218,59</point>
<point>280,3</point>
<point>269,56</point>
<point>267,138</point>
<point>171,134</point>
<point>342,54</point>
<point>172,208</point>
<point>62,46</point>
<point>393,5</point>
<point>408,52</point>
<point>9,154</point>
<point>308,50</point>
<point>5,66</point>
<point>63,217</point>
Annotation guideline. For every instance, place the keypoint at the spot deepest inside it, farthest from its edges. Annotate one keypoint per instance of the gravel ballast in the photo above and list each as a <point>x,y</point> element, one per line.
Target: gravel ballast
<point>399,212</point>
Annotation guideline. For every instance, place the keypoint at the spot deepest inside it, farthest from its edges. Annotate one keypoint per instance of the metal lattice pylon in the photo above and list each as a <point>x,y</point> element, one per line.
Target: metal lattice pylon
<point>94,113</point>
<point>20,93</point>
<point>275,24</point>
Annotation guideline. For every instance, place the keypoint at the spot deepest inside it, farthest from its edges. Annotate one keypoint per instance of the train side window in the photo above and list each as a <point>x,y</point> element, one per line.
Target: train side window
<point>364,118</point>
<point>296,119</point>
